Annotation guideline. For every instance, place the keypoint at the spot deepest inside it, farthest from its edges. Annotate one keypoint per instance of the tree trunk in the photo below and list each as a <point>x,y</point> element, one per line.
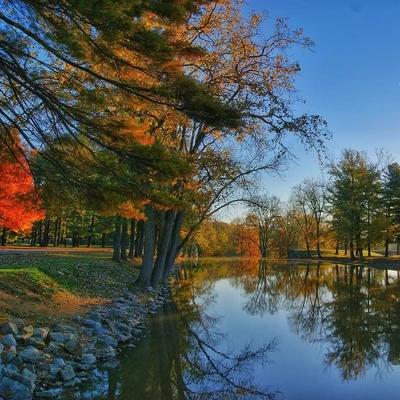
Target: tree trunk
<point>60,235</point>
<point>163,245</point>
<point>369,249</point>
<point>337,249</point>
<point>352,255</point>
<point>345,247</point>
<point>33,235</point>
<point>124,239</point>
<point>308,249</point>
<point>132,239</point>
<point>318,244</point>
<point>90,235</point>
<point>66,233</point>
<point>174,246</point>
<point>46,233</point>
<point>40,233</point>
<point>117,239</point>
<point>103,240</point>
<point>139,239</point>
<point>387,248</point>
<point>149,248</point>
<point>56,229</point>
<point>3,236</point>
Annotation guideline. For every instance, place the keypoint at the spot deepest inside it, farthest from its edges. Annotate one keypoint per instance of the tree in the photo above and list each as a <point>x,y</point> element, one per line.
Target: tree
<point>19,201</point>
<point>391,203</point>
<point>264,219</point>
<point>352,196</point>
<point>310,200</point>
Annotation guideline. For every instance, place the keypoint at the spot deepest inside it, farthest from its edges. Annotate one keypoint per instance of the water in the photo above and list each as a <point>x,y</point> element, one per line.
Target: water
<point>255,330</point>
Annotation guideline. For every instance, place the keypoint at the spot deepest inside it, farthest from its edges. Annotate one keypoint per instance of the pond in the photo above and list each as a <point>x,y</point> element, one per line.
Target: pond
<point>253,330</point>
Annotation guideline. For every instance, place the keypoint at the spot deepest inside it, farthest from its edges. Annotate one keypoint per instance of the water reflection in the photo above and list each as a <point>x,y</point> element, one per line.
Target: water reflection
<point>350,314</point>
<point>354,311</point>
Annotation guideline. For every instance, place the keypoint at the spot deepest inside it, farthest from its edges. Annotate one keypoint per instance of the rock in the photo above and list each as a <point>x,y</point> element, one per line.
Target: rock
<point>71,383</point>
<point>29,375</point>
<point>12,349</point>
<point>1,347</point>
<point>28,330</point>
<point>63,328</point>
<point>32,355</point>
<point>36,342</point>
<point>9,340</point>
<point>31,368</point>
<point>7,357</point>
<point>91,323</point>
<point>55,348</point>
<point>87,367</point>
<point>19,322</point>
<point>13,390</point>
<point>88,358</point>
<point>67,373</point>
<point>9,327</point>
<point>59,362</point>
<point>18,362</point>
<point>121,338</point>
<point>46,394</point>
<point>40,332</point>
<point>60,337</point>
<point>109,340</point>
<point>73,346</point>
<point>111,364</point>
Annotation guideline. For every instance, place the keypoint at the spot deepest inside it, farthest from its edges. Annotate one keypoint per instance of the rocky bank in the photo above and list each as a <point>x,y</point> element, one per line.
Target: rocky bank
<point>44,362</point>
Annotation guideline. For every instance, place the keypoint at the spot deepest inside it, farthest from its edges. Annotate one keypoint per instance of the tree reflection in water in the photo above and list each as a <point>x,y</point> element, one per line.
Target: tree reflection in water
<point>353,313</point>
<point>185,356</point>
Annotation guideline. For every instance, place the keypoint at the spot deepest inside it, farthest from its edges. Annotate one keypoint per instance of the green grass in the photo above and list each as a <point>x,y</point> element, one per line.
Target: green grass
<point>84,274</point>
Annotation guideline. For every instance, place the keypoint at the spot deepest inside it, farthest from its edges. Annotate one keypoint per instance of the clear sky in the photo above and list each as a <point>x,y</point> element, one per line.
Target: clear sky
<point>351,79</point>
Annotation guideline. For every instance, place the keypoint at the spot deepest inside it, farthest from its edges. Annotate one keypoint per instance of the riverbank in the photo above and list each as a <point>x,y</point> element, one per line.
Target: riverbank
<point>64,314</point>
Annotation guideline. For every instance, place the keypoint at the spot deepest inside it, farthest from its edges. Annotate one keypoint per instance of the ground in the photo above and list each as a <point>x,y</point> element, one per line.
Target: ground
<point>46,285</point>
<point>51,286</point>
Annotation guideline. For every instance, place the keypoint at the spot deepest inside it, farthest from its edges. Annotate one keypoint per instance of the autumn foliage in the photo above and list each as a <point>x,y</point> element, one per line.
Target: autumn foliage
<point>19,203</point>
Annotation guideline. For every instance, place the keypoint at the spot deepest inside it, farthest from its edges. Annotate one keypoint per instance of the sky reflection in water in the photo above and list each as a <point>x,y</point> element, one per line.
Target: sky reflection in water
<point>336,331</point>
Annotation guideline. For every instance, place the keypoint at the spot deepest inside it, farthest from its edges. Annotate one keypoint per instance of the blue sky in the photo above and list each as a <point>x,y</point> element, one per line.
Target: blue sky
<point>352,77</point>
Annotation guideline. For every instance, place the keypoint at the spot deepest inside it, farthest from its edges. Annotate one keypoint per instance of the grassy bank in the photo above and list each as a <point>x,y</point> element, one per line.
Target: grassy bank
<point>41,288</point>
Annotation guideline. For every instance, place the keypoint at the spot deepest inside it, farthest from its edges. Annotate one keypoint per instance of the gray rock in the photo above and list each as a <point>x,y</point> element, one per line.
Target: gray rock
<point>41,332</point>
<point>73,346</point>
<point>12,349</point>
<point>91,323</point>
<point>60,337</point>
<point>59,362</point>
<point>9,327</point>
<point>63,328</point>
<point>31,368</point>
<point>29,375</point>
<point>1,347</point>
<point>28,330</point>
<point>7,357</point>
<point>111,364</point>
<point>121,338</point>
<point>13,390</point>
<point>32,355</point>
<point>109,340</point>
<point>55,348</point>
<point>71,383</point>
<point>9,340</point>
<point>36,342</point>
<point>88,358</point>
<point>67,373</point>
<point>87,367</point>
<point>11,368</point>
<point>19,322</point>
<point>18,361</point>
<point>46,394</point>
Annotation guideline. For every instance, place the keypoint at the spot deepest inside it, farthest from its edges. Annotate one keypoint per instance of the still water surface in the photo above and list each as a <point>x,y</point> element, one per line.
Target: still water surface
<point>253,330</point>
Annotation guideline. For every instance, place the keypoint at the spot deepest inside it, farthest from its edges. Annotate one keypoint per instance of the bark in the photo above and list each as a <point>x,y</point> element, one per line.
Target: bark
<point>117,239</point>
<point>174,246</point>
<point>318,244</point>
<point>90,235</point>
<point>60,235</point>
<point>33,234</point>
<point>139,239</point>
<point>3,236</point>
<point>352,255</point>
<point>56,229</point>
<point>40,232</point>
<point>103,240</point>
<point>149,248</point>
<point>387,248</point>
<point>132,239</point>
<point>337,249</point>
<point>163,245</point>
<point>124,239</point>
<point>46,233</point>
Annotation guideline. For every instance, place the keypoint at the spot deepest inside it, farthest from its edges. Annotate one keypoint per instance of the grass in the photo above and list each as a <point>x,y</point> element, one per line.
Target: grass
<point>60,283</point>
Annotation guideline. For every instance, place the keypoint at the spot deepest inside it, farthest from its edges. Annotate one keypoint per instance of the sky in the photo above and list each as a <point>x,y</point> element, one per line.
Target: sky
<point>351,78</point>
